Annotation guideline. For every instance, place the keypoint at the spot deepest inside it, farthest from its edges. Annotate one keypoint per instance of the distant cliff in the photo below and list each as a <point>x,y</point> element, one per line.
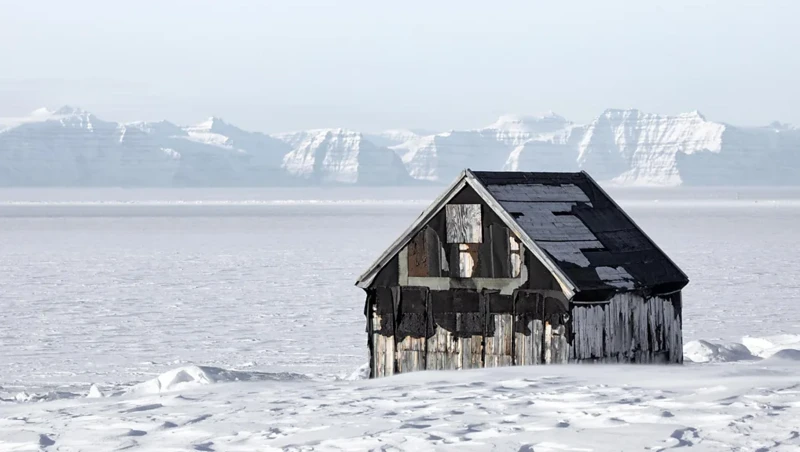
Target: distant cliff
<point>72,147</point>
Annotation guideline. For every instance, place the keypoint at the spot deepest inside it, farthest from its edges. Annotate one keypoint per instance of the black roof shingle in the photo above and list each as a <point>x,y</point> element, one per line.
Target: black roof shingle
<point>583,230</point>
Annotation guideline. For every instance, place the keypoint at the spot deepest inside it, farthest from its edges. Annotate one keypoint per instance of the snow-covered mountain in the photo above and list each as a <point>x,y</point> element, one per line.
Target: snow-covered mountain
<point>625,147</point>
<point>393,137</point>
<point>442,156</point>
<point>341,156</point>
<point>70,146</point>
<point>73,147</point>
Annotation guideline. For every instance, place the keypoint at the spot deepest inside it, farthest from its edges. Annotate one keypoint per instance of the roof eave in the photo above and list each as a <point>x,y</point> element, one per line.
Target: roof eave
<point>368,276</point>
<point>652,242</point>
<point>466,177</point>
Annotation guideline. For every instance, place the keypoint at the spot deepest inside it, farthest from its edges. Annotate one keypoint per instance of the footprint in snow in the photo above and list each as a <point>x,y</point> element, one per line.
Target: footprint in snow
<point>198,419</point>
<point>136,409</point>
<point>685,436</point>
<point>45,441</point>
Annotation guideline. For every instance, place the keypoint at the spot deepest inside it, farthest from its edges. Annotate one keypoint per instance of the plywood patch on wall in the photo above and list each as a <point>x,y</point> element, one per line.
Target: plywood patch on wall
<point>464,223</point>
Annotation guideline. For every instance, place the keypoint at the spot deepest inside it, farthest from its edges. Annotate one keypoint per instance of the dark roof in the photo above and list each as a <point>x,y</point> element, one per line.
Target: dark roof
<point>587,235</point>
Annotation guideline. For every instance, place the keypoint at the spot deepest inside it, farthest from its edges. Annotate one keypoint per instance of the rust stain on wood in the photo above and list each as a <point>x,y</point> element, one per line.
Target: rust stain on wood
<point>418,263</point>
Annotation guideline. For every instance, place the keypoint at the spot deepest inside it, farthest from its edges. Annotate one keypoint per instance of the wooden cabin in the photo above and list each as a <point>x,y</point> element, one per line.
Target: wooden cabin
<point>517,268</point>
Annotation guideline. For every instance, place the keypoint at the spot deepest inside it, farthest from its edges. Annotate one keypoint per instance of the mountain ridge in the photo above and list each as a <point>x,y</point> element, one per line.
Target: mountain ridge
<point>70,146</point>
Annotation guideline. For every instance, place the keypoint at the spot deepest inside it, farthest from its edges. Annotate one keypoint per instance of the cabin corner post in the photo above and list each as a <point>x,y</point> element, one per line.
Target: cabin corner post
<point>369,309</point>
<point>679,308</point>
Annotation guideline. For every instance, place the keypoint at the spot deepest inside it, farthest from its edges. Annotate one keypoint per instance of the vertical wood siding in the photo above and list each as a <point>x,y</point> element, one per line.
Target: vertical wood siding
<point>499,329</point>
<point>417,329</point>
<point>528,341</point>
<point>628,328</point>
<point>443,349</point>
<point>499,345</point>
<point>383,356</point>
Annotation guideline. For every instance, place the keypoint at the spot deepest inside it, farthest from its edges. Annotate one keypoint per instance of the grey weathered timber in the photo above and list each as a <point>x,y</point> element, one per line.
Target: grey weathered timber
<point>411,354</point>
<point>528,341</point>
<point>467,259</point>
<point>470,347</point>
<point>628,328</point>
<point>464,223</point>
<point>547,343</point>
<point>515,255</point>
<point>498,346</point>
<point>470,350</point>
<point>559,345</point>
<point>443,348</point>
<point>383,355</point>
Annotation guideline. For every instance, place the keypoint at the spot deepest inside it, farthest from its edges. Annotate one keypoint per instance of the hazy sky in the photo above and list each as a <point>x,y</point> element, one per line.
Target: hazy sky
<point>293,64</point>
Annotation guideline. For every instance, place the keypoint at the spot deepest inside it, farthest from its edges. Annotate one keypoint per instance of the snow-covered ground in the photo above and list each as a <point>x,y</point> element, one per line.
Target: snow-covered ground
<point>150,296</point>
<point>708,407</point>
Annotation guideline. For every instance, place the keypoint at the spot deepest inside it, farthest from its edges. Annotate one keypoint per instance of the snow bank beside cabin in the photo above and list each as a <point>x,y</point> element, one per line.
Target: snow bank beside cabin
<point>780,349</point>
<point>766,347</point>
<point>784,346</point>
<point>188,377</point>
<point>704,352</point>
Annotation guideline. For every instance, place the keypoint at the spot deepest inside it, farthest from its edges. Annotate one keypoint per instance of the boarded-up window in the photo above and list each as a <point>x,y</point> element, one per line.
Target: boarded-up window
<point>464,223</point>
<point>426,255</point>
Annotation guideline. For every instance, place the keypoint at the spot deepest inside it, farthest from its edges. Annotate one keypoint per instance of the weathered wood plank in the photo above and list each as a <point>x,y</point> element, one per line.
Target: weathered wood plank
<point>463,223</point>
<point>470,348</point>
<point>443,348</point>
<point>560,345</point>
<point>470,352</point>
<point>498,346</point>
<point>467,259</point>
<point>515,255</point>
<point>628,328</point>
<point>383,348</point>
<point>418,262</point>
<point>528,341</point>
<point>411,329</point>
<point>425,255</point>
<point>548,343</point>
<point>411,354</point>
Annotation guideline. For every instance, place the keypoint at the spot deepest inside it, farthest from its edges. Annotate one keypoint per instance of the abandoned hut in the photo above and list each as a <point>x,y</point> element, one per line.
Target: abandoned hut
<point>516,268</point>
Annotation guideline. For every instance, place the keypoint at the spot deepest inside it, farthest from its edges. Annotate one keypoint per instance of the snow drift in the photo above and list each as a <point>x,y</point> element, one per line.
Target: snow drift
<point>732,406</point>
<point>192,376</point>
<point>784,346</point>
